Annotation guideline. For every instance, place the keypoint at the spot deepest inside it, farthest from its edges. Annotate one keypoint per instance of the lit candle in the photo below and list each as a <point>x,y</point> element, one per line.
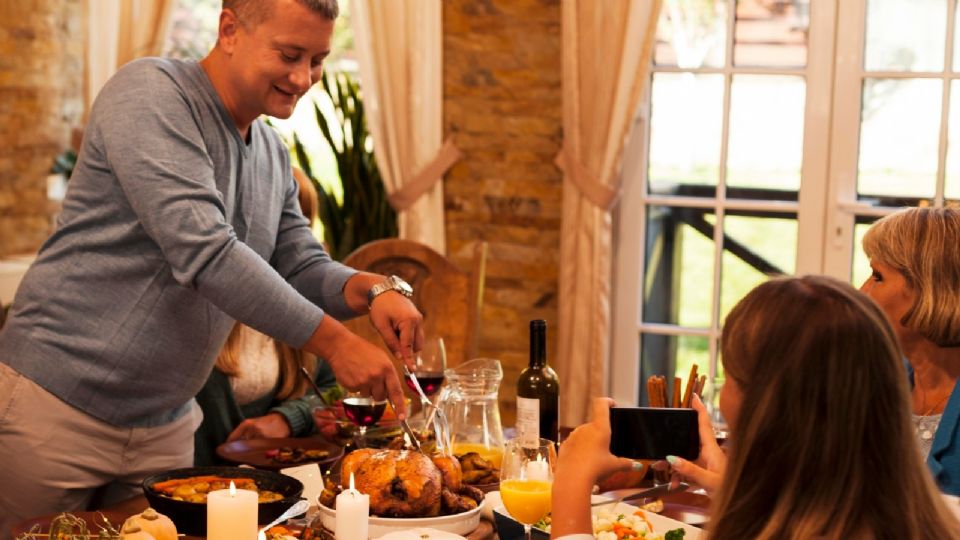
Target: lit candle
<point>232,514</point>
<point>538,470</point>
<point>353,511</point>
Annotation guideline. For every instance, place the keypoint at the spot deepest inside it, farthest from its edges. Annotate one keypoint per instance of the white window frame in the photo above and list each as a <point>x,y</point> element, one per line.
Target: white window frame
<point>842,205</point>
<point>624,382</point>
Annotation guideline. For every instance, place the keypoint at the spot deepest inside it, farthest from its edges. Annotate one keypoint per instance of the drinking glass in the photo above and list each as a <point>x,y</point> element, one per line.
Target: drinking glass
<point>430,365</point>
<point>526,480</point>
<point>363,411</point>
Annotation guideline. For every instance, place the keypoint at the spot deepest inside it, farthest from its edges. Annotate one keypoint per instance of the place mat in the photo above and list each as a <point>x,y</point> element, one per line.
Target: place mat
<point>254,452</point>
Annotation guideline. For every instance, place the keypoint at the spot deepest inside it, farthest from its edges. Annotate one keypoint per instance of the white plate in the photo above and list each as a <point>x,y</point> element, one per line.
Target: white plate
<point>462,523</point>
<point>660,523</point>
<point>418,534</point>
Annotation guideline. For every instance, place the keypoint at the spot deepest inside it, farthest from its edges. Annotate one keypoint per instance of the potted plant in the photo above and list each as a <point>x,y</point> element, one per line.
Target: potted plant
<point>363,214</point>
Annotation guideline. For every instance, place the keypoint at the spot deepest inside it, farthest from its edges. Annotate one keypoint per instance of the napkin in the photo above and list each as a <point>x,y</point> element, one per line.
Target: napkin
<point>421,534</point>
<point>312,480</point>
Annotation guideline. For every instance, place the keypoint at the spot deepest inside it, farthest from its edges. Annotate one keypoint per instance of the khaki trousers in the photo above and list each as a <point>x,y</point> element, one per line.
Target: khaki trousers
<point>55,458</point>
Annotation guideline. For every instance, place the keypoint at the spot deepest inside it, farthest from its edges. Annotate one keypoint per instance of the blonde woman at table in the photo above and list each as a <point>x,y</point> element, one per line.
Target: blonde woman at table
<point>915,258</point>
<point>819,411</point>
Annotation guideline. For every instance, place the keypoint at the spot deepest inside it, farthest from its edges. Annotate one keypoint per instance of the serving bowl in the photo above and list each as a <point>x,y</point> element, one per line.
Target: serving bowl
<point>463,523</point>
<point>191,517</point>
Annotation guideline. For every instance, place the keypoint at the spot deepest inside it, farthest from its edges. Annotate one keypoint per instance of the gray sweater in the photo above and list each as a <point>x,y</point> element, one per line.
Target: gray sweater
<point>172,228</point>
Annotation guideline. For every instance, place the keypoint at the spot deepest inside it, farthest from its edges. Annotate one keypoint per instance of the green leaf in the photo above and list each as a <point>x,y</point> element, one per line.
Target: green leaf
<point>364,213</point>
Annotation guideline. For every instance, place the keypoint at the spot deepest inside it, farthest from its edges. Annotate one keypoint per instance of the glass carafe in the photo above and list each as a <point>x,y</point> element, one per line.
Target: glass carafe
<point>469,400</point>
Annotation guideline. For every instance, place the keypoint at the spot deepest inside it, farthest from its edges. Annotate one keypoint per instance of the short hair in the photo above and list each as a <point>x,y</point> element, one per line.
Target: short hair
<point>823,443</point>
<point>923,244</point>
<point>250,13</point>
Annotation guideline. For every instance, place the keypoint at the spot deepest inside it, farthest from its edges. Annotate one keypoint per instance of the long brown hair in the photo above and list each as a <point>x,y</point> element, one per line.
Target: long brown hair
<point>823,443</point>
<point>291,383</point>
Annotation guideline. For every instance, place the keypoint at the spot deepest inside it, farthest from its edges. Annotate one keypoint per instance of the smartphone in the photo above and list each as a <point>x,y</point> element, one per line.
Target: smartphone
<point>654,433</point>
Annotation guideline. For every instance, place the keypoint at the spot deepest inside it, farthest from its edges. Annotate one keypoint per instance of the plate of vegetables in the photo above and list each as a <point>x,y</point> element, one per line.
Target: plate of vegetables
<point>612,522</point>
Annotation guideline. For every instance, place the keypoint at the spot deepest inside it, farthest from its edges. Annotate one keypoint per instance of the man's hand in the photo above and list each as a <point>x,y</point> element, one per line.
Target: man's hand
<point>358,365</point>
<point>269,426</point>
<point>400,324</point>
<point>394,316</point>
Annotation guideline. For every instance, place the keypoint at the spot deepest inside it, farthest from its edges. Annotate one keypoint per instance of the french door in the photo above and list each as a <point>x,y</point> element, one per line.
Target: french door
<point>774,133</point>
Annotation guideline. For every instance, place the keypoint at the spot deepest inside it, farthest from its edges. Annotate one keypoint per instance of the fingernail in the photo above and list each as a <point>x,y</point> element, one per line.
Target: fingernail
<point>673,460</point>
<point>637,466</point>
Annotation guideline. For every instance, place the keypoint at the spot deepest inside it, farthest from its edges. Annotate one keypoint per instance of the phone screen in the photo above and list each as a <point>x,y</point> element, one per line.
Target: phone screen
<point>654,433</point>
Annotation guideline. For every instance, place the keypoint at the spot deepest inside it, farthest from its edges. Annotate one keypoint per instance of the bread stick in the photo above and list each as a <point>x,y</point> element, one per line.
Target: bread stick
<point>689,391</point>
<point>653,393</point>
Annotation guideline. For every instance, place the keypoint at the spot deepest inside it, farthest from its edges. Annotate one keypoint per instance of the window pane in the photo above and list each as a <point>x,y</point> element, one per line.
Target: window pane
<point>899,134</point>
<point>771,34</point>
<point>666,355</point>
<point>956,41</point>
<point>905,35</point>
<point>766,132</point>
<point>686,123</point>
<point>691,34</point>
<point>756,248</point>
<point>678,287</point>
<point>952,178</point>
<point>861,264</point>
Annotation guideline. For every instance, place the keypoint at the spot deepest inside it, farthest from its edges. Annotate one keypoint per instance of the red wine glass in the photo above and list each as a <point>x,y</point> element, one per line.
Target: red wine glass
<point>363,411</point>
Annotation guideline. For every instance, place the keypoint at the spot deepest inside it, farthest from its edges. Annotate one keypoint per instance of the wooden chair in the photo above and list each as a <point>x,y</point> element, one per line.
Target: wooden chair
<point>449,298</point>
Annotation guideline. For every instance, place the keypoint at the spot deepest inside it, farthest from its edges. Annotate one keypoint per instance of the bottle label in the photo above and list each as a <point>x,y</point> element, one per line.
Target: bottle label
<point>528,422</point>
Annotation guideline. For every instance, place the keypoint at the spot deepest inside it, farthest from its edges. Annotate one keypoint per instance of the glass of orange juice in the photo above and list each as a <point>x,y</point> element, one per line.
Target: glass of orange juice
<point>526,479</point>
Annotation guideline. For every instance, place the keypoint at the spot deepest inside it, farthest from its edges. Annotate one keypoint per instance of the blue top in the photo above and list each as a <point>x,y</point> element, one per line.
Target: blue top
<point>944,458</point>
<point>172,228</point>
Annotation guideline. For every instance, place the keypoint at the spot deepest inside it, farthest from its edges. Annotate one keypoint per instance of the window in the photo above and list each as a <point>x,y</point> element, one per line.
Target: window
<point>778,131</point>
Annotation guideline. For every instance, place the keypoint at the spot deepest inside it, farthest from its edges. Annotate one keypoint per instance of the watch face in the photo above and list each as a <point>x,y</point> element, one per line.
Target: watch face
<point>401,286</point>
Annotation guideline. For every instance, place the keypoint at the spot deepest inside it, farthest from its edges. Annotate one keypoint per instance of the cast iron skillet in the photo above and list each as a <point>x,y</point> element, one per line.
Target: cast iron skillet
<point>191,518</point>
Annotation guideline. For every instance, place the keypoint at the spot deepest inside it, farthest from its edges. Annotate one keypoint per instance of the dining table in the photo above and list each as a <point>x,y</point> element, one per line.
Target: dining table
<point>119,512</point>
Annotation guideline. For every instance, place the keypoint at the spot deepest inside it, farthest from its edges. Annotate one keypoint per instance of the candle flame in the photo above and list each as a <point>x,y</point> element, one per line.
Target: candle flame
<point>352,488</point>
<point>233,489</point>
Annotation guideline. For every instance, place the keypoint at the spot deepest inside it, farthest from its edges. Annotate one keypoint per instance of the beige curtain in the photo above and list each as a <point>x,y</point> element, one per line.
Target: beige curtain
<point>119,31</point>
<point>399,46</point>
<point>606,57</point>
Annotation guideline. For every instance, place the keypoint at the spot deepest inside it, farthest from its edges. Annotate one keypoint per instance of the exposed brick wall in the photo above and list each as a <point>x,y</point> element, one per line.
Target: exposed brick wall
<point>502,101</point>
<point>41,74</point>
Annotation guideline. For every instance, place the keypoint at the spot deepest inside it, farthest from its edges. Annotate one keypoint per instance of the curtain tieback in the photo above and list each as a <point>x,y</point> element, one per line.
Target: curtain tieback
<point>424,180</point>
<point>600,195</point>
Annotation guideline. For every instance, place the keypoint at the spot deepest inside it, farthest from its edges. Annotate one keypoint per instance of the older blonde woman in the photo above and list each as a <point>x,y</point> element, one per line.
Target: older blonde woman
<point>915,257</point>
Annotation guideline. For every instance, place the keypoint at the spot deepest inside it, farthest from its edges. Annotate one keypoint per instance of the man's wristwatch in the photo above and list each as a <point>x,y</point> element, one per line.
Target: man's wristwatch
<point>392,283</point>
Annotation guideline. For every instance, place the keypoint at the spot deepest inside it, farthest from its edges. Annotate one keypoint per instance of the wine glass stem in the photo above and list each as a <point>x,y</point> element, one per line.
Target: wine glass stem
<point>526,531</point>
<point>362,442</point>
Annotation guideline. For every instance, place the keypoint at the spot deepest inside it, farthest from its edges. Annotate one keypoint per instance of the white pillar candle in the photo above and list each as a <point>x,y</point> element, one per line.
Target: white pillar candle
<point>232,514</point>
<point>538,470</point>
<point>353,512</point>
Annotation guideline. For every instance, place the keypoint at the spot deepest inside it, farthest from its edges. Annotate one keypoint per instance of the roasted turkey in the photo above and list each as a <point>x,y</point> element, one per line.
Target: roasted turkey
<point>406,483</point>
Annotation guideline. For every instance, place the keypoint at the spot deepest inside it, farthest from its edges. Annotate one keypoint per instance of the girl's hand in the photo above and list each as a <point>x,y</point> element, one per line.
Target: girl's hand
<point>707,471</point>
<point>584,458</point>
